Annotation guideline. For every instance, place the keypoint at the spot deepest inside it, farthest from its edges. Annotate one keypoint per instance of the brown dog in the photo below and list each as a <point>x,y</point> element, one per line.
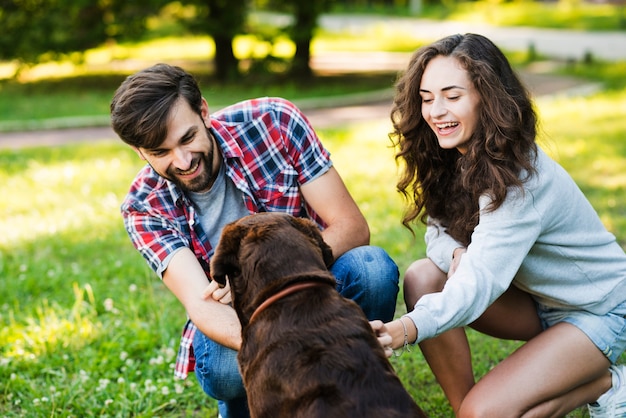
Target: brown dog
<point>306,351</point>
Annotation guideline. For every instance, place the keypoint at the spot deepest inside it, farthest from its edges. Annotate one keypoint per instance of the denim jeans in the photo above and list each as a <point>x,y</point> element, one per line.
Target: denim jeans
<point>365,274</point>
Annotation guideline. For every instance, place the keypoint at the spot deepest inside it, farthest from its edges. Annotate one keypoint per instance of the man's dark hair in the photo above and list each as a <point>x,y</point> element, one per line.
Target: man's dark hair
<point>141,105</point>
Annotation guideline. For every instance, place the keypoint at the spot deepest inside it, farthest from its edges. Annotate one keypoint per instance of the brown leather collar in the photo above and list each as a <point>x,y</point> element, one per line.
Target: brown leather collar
<point>285,292</point>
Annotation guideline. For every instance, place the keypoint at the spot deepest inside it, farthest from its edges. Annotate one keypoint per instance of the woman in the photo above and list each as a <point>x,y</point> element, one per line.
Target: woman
<point>514,249</point>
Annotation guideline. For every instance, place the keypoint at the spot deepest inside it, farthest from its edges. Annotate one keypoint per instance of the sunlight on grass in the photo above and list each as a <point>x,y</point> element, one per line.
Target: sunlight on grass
<point>50,199</point>
<point>586,136</point>
<point>52,329</point>
<point>592,149</point>
<point>125,57</point>
<point>363,156</point>
<point>559,14</point>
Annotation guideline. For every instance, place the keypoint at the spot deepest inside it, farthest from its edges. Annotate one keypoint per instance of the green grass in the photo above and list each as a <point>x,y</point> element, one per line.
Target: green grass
<point>562,14</point>
<point>88,330</point>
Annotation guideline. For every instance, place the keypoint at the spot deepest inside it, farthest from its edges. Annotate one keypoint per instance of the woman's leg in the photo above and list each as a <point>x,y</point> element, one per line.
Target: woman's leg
<point>549,376</point>
<point>448,354</point>
<point>512,316</point>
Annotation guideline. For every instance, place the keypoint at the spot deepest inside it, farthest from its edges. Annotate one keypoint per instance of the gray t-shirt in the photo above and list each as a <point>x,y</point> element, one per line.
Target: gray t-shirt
<point>222,204</point>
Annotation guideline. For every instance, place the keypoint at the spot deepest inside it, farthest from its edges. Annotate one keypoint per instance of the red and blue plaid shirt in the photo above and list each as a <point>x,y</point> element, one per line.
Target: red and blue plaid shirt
<point>269,149</point>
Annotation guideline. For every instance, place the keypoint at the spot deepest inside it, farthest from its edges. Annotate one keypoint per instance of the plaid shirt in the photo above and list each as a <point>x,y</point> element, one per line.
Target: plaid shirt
<point>269,150</point>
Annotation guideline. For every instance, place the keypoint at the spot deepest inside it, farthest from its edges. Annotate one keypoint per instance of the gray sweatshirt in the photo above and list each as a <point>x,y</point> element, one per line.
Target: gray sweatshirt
<point>546,239</point>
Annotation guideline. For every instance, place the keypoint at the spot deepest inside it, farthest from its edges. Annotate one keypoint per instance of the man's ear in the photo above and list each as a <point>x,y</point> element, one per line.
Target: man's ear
<point>204,112</point>
<point>138,152</point>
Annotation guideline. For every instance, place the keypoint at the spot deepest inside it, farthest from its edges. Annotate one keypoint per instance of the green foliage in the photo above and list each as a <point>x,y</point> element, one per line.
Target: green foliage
<point>36,26</point>
<point>40,30</point>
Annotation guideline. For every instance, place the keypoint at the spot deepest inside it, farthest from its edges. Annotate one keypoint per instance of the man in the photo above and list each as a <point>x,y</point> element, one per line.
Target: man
<point>205,171</point>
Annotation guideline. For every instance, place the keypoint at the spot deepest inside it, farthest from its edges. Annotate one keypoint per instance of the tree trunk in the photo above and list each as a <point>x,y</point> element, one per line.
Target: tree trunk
<point>226,65</point>
<point>301,64</point>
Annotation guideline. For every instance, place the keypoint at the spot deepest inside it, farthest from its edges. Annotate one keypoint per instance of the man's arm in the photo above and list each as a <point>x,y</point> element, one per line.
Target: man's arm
<point>185,278</point>
<point>329,198</point>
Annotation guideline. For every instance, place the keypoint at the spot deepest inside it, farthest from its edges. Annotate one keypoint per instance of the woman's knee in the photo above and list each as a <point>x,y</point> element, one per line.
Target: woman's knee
<point>422,277</point>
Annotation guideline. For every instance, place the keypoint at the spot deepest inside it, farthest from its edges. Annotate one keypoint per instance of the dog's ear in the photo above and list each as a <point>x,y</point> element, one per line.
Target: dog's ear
<point>310,229</point>
<point>225,260</point>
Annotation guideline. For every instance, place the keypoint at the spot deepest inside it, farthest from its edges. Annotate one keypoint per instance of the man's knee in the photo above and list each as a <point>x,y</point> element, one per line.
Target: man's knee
<point>216,369</point>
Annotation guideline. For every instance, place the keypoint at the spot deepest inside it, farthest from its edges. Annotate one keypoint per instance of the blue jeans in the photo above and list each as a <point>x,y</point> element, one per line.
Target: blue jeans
<point>365,274</point>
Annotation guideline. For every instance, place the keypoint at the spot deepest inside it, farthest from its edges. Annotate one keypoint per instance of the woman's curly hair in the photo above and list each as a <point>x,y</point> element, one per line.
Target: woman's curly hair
<point>443,183</point>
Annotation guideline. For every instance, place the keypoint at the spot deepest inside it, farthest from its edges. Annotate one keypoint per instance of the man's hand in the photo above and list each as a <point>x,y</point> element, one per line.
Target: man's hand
<point>220,294</point>
<point>384,338</point>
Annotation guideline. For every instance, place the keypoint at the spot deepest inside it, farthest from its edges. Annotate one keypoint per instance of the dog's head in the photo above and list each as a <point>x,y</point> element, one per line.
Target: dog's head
<point>259,252</point>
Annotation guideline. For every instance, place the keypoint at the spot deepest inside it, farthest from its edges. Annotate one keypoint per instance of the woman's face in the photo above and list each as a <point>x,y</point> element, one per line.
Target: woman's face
<point>449,102</point>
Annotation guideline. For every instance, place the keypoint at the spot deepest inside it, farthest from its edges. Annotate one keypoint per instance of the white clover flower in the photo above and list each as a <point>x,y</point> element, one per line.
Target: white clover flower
<point>132,288</point>
<point>123,355</point>
<point>108,305</point>
<point>165,390</point>
<point>156,360</point>
<point>102,384</point>
<point>83,376</point>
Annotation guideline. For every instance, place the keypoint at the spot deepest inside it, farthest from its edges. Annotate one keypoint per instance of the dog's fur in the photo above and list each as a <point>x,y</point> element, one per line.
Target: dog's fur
<point>313,352</point>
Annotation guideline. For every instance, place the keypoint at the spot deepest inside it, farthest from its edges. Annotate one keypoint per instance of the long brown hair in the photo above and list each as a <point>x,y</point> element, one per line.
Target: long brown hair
<point>443,183</point>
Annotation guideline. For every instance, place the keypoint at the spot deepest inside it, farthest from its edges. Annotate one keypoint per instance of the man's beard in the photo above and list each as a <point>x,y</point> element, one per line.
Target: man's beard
<point>200,183</point>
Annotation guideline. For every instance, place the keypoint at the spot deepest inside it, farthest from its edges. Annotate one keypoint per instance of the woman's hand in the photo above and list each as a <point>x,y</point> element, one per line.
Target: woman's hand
<point>220,294</point>
<point>384,338</point>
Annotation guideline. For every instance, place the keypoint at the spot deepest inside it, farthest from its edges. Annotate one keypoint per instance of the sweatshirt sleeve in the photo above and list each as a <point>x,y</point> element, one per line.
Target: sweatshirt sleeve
<point>499,244</point>
<point>439,245</point>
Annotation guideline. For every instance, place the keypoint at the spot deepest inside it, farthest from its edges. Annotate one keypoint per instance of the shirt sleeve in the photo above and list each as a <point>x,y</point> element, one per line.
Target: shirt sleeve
<point>308,155</point>
<point>439,245</point>
<point>499,244</point>
<point>156,238</point>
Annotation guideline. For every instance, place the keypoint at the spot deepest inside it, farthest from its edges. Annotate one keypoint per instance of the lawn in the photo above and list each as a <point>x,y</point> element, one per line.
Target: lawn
<point>87,329</point>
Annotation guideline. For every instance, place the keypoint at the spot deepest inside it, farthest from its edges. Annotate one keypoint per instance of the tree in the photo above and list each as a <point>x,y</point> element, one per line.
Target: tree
<point>301,32</point>
<point>222,20</point>
<point>34,29</point>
